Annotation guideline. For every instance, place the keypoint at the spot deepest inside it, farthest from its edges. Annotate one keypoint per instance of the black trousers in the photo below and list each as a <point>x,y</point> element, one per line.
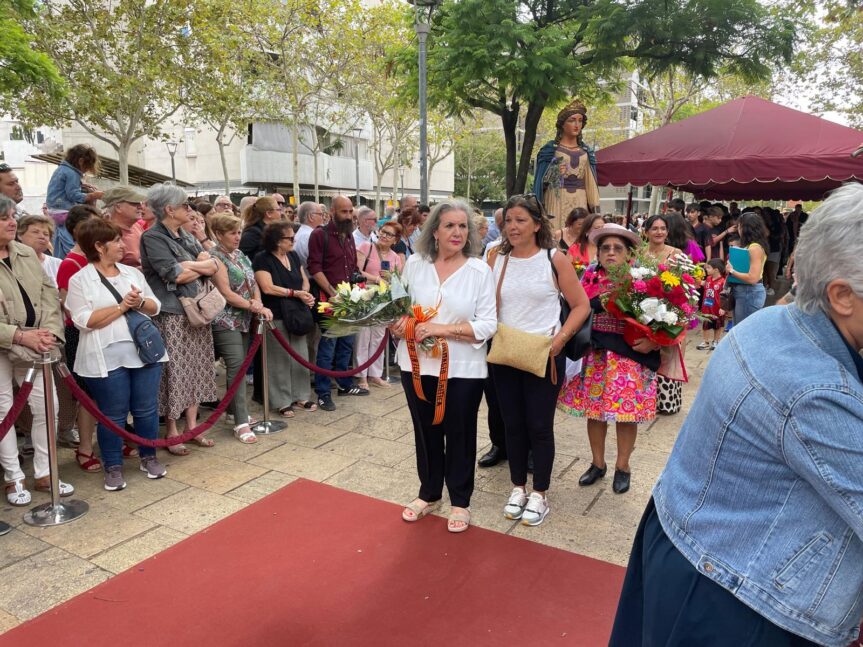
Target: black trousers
<point>528,403</point>
<point>446,453</point>
<point>496,428</point>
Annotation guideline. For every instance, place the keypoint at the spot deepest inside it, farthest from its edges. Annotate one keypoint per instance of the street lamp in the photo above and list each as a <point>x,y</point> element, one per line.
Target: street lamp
<point>424,9</point>
<point>172,150</point>
<point>402,194</point>
<point>357,132</point>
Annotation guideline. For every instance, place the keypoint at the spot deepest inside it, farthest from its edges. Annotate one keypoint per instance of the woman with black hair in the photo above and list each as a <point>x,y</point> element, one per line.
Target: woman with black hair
<point>530,274</point>
<point>746,287</point>
<point>583,250</point>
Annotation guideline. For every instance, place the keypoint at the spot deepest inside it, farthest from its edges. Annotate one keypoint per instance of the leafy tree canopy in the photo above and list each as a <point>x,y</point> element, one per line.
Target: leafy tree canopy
<point>21,65</point>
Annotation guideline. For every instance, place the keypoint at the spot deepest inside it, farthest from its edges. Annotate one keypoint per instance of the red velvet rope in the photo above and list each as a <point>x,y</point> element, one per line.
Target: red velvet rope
<point>317,369</point>
<point>90,406</point>
<point>17,406</point>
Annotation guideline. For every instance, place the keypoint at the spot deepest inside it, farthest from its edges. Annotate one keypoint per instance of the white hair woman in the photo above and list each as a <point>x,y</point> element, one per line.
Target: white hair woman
<point>753,534</point>
<point>445,275</point>
<point>174,263</point>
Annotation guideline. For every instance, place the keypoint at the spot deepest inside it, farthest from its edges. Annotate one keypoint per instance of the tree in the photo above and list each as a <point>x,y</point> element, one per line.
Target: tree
<point>119,62</point>
<point>480,166</point>
<point>22,66</point>
<point>312,62</point>
<point>222,92</point>
<point>830,66</point>
<point>505,56</point>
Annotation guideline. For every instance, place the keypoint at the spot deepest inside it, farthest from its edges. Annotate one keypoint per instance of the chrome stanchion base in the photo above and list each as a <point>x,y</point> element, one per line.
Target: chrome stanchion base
<point>49,514</point>
<point>265,427</point>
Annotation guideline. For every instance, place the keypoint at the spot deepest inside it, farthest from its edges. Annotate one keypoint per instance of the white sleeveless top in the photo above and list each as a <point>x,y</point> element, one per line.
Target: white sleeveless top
<point>529,297</point>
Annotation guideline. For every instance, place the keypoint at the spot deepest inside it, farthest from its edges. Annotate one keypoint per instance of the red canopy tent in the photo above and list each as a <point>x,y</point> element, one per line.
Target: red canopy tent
<point>748,148</point>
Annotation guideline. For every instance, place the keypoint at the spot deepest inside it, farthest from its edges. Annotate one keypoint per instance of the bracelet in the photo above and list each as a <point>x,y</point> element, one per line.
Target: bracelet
<point>290,292</point>
<point>16,338</point>
<point>119,307</point>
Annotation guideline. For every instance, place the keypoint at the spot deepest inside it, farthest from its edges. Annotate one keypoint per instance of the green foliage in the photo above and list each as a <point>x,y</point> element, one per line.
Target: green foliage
<point>120,64</point>
<point>22,66</point>
<point>516,57</point>
<point>830,66</point>
<point>480,167</point>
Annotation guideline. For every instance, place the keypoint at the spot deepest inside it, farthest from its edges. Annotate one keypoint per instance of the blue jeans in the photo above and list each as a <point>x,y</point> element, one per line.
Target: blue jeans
<point>126,390</point>
<point>334,354</point>
<point>748,299</point>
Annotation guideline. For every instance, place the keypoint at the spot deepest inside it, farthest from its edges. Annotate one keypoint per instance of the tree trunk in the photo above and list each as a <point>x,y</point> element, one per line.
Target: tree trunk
<point>531,123</point>
<point>317,188</point>
<point>396,164</point>
<point>123,162</point>
<point>221,142</point>
<point>469,171</point>
<point>509,120</point>
<point>295,159</point>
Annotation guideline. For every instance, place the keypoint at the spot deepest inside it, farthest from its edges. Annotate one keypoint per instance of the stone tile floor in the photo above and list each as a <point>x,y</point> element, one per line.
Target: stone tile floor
<point>365,446</point>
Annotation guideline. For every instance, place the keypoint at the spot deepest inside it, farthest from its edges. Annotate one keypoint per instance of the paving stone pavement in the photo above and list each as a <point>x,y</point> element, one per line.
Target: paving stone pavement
<point>365,446</point>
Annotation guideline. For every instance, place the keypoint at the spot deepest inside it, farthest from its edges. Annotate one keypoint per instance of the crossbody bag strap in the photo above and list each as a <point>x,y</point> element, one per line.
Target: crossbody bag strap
<point>110,287</point>
<point>500,282</point>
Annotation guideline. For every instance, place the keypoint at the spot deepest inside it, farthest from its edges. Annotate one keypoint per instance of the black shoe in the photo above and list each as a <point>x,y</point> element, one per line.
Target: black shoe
<point>530,462</point>
<point>494,456</point>
<point>621,481</point>
<point>4,528</point>
<point>326,403</point>
<point>354,390</point>
<point>592,475</point>
<point>209,405</point>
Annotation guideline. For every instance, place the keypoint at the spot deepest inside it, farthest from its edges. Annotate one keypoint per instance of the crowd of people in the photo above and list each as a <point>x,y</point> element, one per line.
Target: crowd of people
<point>151,253</point>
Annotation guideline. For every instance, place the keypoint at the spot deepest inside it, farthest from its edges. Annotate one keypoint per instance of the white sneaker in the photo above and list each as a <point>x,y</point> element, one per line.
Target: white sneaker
<point>514,508</point>
<point>770,292</point>
<point>536,510</point>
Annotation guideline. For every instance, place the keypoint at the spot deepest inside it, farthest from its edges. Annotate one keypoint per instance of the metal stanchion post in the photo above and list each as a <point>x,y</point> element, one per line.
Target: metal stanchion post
<point>387,378</point>
<point>57,512</point>
<point>266,426</point>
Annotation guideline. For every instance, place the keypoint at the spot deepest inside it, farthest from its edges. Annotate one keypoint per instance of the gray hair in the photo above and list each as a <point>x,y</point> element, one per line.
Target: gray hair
<point>163,195</point>
<point>7,203</point>
<point>426,243</point>
<point>305,210</point>
<point>830,247</point>
<point>362,211</point>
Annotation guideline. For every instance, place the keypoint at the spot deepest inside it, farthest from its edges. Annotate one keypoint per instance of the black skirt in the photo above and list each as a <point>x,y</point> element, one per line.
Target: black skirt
<point>666,602</point>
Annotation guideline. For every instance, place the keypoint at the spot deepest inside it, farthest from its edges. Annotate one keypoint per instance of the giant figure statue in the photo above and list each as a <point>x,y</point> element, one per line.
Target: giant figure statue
<point>566,168</point>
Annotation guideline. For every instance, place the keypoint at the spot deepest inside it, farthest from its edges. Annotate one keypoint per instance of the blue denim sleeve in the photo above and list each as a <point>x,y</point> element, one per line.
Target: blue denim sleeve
<point>823,444</point>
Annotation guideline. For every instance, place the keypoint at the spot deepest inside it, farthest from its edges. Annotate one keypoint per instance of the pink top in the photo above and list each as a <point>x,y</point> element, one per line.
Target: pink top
<point>370,251</point>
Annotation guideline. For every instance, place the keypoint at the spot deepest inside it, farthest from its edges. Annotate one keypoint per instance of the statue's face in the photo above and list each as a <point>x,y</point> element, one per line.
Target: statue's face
<point>573,125</point>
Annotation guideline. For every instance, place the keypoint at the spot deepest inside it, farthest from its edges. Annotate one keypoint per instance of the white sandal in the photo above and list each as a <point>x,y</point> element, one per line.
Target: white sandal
<point>19,496</point>
<point>246,437</point>
<point>419,511</point>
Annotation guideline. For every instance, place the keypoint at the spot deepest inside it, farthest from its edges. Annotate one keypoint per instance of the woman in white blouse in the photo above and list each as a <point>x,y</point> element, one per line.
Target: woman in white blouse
<point>444,273</point>
<point>107,358</point>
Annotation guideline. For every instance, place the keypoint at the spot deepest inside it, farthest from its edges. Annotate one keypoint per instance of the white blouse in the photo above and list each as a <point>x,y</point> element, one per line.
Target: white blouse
<point>104,349</point>
<point>467,295</point>
<point>529,299</point>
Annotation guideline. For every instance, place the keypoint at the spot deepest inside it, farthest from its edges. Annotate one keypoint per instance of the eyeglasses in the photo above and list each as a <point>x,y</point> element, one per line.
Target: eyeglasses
<point>612,248</point>
<point>291,238</point>
<point>183,205</point>
<point>223,205</point>
<point>386,234</point>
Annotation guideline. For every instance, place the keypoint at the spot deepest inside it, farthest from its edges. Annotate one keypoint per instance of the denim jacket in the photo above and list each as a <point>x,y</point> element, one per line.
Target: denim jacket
<point>763,491</point>
<point>64,188</point>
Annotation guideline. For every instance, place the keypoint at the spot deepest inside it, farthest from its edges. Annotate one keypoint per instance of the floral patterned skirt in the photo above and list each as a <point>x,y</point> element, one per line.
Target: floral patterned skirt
<point>610,388</point>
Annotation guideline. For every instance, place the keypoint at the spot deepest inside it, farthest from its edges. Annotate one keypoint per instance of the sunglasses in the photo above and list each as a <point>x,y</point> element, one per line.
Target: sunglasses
<point>5,168</point>
<point>281,204</point>
<point>291,238</point>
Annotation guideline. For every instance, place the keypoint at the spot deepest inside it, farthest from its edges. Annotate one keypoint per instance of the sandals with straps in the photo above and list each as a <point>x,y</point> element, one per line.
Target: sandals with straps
<point>458,515</point>
<point>87,462</point>
<point>417,509</point>
<point>245,435</point>
<point>17,494</point>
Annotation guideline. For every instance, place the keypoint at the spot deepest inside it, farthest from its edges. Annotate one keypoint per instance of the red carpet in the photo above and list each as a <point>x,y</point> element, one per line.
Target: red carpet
<point>354,575</point>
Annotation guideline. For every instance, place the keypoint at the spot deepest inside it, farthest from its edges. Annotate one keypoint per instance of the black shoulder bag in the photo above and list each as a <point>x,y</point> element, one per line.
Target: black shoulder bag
<point>148,340</point>
<point>578,345</point>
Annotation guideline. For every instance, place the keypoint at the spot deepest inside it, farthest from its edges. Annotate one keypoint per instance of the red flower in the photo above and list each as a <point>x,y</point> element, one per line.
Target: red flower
<point>655,288</point>
<point>677,296</point>
<point>688,279</point>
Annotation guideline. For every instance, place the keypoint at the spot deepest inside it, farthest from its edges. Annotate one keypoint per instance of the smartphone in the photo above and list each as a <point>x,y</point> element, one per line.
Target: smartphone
<point>385,266</point>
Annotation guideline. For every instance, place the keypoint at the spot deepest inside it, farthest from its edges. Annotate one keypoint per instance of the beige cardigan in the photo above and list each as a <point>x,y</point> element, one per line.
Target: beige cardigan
<point>45,298</point>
